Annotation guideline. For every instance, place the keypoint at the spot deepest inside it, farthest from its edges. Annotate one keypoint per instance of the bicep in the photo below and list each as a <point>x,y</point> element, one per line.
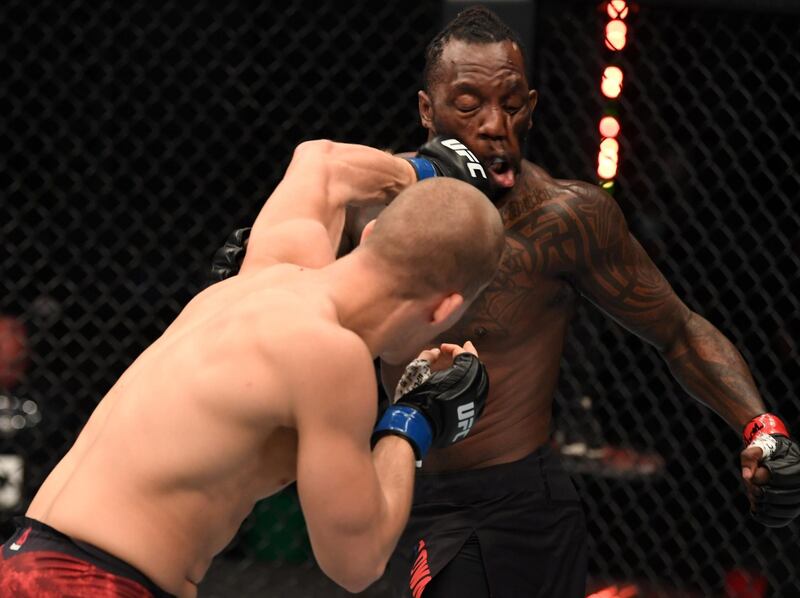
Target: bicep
<point>614,272</point>
<point>303,191</point>
<point>322,178</point>
<point>297,223</point>
<point>300,241</point>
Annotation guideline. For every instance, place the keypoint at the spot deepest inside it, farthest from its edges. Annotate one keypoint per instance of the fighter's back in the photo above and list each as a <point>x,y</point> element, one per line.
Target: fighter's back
<point>180,449</point>
<point>269,376</point>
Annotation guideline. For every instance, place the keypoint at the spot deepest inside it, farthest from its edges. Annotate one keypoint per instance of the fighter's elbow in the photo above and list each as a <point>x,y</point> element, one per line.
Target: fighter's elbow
<point>680,335</point>
<point>358,584</point>
<point>356,573</point>
<point>323,158</point>
<point>315,148</point>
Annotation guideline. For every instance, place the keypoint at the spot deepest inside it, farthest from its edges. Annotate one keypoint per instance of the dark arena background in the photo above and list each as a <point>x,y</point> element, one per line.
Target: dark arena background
<point>136,135</point>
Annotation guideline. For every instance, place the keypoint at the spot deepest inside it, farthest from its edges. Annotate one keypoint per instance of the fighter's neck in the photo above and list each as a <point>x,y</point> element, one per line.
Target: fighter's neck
<point>365,301</point>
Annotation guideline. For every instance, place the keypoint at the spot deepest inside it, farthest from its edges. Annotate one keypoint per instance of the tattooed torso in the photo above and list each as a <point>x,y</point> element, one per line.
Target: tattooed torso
<point>518,325</point>
<point>562,238</point>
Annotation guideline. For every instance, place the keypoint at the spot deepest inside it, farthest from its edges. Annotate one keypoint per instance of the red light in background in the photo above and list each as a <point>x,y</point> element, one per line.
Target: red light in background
<point>606,169</point>
<point>611,84</point>
<point>617,9</point>
<point>14,352</point>
<point>609,126</point>
<point>741,583</point>
<point>616,32</point>
<point>629,591</point>
<point>616,38</point>
<point>608,159</point>
<point>610,147</point>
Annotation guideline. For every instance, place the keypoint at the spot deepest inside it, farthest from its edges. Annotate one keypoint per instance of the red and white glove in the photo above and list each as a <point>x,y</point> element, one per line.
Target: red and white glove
<point>775,497</point>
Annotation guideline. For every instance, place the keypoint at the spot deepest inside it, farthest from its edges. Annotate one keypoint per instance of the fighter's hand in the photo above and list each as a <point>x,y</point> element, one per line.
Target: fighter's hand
<point>447,156</point>
<point>438,408</point>
<point>431,360</point>
<point>771,471</point>
<point>227,259</point>
<point>441,357</point>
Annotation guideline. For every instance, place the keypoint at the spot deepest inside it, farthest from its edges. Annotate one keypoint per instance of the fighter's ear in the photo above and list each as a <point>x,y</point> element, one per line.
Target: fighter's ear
<point>448,309</point>
<point>533,98</point>
<point>367,231</point>
<point>425,109</point>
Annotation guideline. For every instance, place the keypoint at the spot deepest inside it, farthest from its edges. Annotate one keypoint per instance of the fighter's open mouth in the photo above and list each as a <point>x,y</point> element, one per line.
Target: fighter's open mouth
<point>502,173</point>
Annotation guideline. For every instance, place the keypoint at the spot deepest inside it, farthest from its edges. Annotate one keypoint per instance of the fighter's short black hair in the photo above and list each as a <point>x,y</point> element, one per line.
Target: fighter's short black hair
<point>477,25</point>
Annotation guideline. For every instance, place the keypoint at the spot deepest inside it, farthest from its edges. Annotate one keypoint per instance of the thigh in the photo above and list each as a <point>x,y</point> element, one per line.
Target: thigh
<point>536,551</point>
<point>434,535</point>
<point>464,576</point>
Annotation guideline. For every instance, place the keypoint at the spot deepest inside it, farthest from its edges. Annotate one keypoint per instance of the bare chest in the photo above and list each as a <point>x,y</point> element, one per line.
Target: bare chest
<point>529,292</point>
<point>522,295</point>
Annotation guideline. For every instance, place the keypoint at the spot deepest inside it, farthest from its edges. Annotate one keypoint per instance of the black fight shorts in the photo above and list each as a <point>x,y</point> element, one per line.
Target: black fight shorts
<point>41,562</point>
<point>521,523</point>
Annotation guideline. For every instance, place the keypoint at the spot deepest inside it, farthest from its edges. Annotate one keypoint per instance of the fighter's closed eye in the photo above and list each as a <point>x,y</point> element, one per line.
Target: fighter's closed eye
<point>467,103</point>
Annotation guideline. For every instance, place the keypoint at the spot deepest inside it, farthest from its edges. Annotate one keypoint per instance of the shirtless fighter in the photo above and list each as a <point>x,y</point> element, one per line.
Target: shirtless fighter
<point>497,515</point>
<point>268,377</point>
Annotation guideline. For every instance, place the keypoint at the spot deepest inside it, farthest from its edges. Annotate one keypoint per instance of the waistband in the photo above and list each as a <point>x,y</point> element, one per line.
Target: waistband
<point>87,552</point>
<point>538,473</point>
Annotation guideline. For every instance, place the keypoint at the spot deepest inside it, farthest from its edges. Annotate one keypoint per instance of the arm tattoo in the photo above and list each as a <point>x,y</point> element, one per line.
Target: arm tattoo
<point>710,369</point>
<point>585,236</point>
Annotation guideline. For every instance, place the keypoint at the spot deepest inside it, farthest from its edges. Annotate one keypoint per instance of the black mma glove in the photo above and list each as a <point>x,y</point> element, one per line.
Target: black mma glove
<point>228,259</point>
<point>779,501</point>
<point>447,156</point>
<point>441,410</point>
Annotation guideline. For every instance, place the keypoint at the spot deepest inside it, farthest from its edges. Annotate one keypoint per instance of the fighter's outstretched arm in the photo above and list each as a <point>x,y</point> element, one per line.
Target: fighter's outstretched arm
<point>615,273</point>
<point>301,222</point>
<point>588,235</point>
<point>355,501</point>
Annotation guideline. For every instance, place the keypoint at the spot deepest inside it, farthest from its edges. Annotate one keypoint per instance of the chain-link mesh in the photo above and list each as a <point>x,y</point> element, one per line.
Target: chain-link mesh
<point>137,135</point>
<point>710,143</point>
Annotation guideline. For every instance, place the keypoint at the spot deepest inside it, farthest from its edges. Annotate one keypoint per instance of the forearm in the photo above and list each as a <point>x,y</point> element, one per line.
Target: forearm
<point>369,522</point>
<point>394,463</point>
<point>712,370</point>
<point>393,459</point>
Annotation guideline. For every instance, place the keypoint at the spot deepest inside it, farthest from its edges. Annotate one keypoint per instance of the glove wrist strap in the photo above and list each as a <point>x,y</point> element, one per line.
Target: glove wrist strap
<point>406,421</point>
<point>766,423</point>
<point>424,168</point>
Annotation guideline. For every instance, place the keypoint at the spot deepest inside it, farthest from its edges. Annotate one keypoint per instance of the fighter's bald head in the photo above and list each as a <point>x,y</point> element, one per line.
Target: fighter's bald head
<point>439,235</point>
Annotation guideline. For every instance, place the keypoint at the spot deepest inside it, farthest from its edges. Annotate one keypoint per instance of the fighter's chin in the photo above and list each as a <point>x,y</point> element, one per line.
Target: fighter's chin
<point>498,193</point>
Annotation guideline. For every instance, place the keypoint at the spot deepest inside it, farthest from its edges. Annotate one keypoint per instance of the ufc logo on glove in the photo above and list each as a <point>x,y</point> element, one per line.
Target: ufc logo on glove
<point>473,165</point>
<point>466,417</point>
<point>449,157</point>
<point>437,409</point>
